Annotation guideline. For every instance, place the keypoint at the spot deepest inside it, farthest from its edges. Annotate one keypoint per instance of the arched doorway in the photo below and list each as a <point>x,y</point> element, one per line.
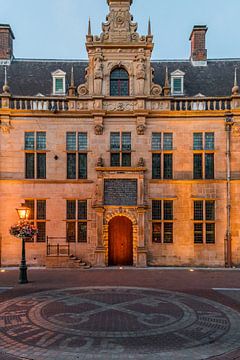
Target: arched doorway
<point>120,240</point>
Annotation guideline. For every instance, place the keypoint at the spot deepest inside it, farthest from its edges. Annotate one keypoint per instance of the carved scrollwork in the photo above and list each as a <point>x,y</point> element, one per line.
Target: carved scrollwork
<point>119,106</point>
<point>82,90</point>
<point>98,129</point>
<point>141,162</point>
<point>141,129</point>
<point>5,126</point>
<point>156,90</point>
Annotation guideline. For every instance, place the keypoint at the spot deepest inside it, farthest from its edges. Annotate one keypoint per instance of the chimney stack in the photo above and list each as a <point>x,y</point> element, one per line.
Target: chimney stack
<point>6,42</point>
<point>198,45</point>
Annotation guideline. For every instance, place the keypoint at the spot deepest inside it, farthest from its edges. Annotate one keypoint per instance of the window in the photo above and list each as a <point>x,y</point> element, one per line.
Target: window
<point>203,156</point>
<point>162,221</point>
<point>162,157</point>
<point>204,221</point>
<point>120,149</point>
<point>177,82</point>
<point>38,217</point>
<point>77,147</point>
<point>35,155</point>
<point>59,82</point>
<point>76,226</point>
<point>119,83</point>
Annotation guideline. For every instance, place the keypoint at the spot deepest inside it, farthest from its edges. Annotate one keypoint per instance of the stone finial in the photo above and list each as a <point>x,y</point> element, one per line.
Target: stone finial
<point>149,28</point>
<point>89,27</point>
<point>72,88</point>
<point>6,89</point>
<point>166,88</point>
<point>235,89</point>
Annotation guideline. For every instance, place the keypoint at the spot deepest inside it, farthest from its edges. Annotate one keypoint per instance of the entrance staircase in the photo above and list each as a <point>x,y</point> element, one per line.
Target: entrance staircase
<point>59,256</point>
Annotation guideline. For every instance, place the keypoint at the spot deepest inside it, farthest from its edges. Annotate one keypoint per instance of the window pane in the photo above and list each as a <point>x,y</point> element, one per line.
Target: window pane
<point>177,85</point>
<point>209,166</point>
<point>156,232</point>
<point>82,210</point>
<point>119,74</point>
<point>41,236</point>
<point>119,83</point>
<point>210,210</point>
<point>29,166</point>
<point>156,141</point>
<point>41,140</point>
<point>71,232</point>
<point>209,141</point>
<point>29,141</point>
<point>41,166</point>
<point>197,141</point>
<point>71,166</point>
<point>82,166</point>
<point>156,210</point>
<point>167,141</point>
<point>197,166</point>
<point>115,141</point>
<point>198,233</point>
<point>71,141</point>
<point>82,232</point>
<point>30,204</point>
<point>115,159</point>
<point>126,159</point>
<point>114,90</point>
<point>210,233</point>
<point>167,169</point>
<point>168,233</point>
<point>59,85</point>
<point>168,210</point>
<point>198,210</point>
<point>41,209</point>
<point>71,209</point>
<point>126,141</point>
<point>123,88</point>
<point>82,141</point>
<point>156,166</point>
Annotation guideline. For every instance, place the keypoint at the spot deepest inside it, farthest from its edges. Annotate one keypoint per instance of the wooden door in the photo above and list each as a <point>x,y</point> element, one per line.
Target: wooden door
<point>120,239</point>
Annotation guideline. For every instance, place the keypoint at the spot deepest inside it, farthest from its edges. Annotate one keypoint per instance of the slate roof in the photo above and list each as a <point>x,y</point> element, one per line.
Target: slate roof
<point>30,77</point>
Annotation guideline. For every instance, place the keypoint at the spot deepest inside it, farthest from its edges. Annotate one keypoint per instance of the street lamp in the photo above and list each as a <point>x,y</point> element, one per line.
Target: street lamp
<point>23,214</point>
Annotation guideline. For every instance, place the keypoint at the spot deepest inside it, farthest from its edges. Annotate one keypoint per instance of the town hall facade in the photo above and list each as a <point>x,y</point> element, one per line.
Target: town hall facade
<point>123,161</point>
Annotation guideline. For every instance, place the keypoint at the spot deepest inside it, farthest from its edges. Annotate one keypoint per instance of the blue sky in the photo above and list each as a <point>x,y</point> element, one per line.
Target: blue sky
<point>57,28</point>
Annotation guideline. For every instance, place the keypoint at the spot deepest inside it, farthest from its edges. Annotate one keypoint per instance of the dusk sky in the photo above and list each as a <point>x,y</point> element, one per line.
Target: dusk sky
<point>57,28</point>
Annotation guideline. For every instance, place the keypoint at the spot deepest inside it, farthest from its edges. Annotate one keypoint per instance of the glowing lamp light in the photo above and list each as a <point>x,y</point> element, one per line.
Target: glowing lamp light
<point>23,212</point>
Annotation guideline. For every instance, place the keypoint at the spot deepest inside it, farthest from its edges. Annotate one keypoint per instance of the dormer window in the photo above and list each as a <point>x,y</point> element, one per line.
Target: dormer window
<point>177,82</point>
<point>119,82</point>
<point>59,82</point>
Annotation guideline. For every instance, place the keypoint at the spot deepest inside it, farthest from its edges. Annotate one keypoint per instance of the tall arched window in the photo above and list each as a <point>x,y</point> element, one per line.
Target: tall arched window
<point>119,82</point>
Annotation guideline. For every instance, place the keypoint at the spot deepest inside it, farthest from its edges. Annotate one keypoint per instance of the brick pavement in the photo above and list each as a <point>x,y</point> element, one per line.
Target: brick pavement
<point>119,322</point>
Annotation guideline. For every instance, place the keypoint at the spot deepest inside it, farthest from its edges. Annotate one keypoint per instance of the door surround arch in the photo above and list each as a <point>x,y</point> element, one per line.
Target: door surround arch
<point>128,213</point>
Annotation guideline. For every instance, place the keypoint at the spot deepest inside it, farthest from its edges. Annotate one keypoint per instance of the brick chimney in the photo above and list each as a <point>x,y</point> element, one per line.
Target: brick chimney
<point>198,45</point>
<point>6,42</point>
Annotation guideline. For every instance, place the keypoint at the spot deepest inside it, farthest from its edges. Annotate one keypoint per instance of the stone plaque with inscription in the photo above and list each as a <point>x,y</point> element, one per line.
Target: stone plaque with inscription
<point>120,192</point>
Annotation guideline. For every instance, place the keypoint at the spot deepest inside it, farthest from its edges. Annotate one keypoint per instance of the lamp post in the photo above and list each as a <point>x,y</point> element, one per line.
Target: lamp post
<point>23,214</point>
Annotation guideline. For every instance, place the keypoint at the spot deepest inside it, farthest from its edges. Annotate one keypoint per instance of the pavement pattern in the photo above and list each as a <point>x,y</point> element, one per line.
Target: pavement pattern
<point>116,322</point>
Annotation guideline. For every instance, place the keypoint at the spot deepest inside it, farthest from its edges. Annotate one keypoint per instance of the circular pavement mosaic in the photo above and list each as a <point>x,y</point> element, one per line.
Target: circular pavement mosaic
<point>116,323</point>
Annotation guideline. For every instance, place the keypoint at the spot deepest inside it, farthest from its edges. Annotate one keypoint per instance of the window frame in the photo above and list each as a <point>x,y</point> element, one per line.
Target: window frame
<point>204,152</point>
<point>119,81</point>
<point>77,156</point>
<point>162,153</point>
<point>35,153</point>
<point>205,221</point>
<point>162,221</point>
<point>35,220</point>
<point>78,221</point>
<point>121,152</point>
